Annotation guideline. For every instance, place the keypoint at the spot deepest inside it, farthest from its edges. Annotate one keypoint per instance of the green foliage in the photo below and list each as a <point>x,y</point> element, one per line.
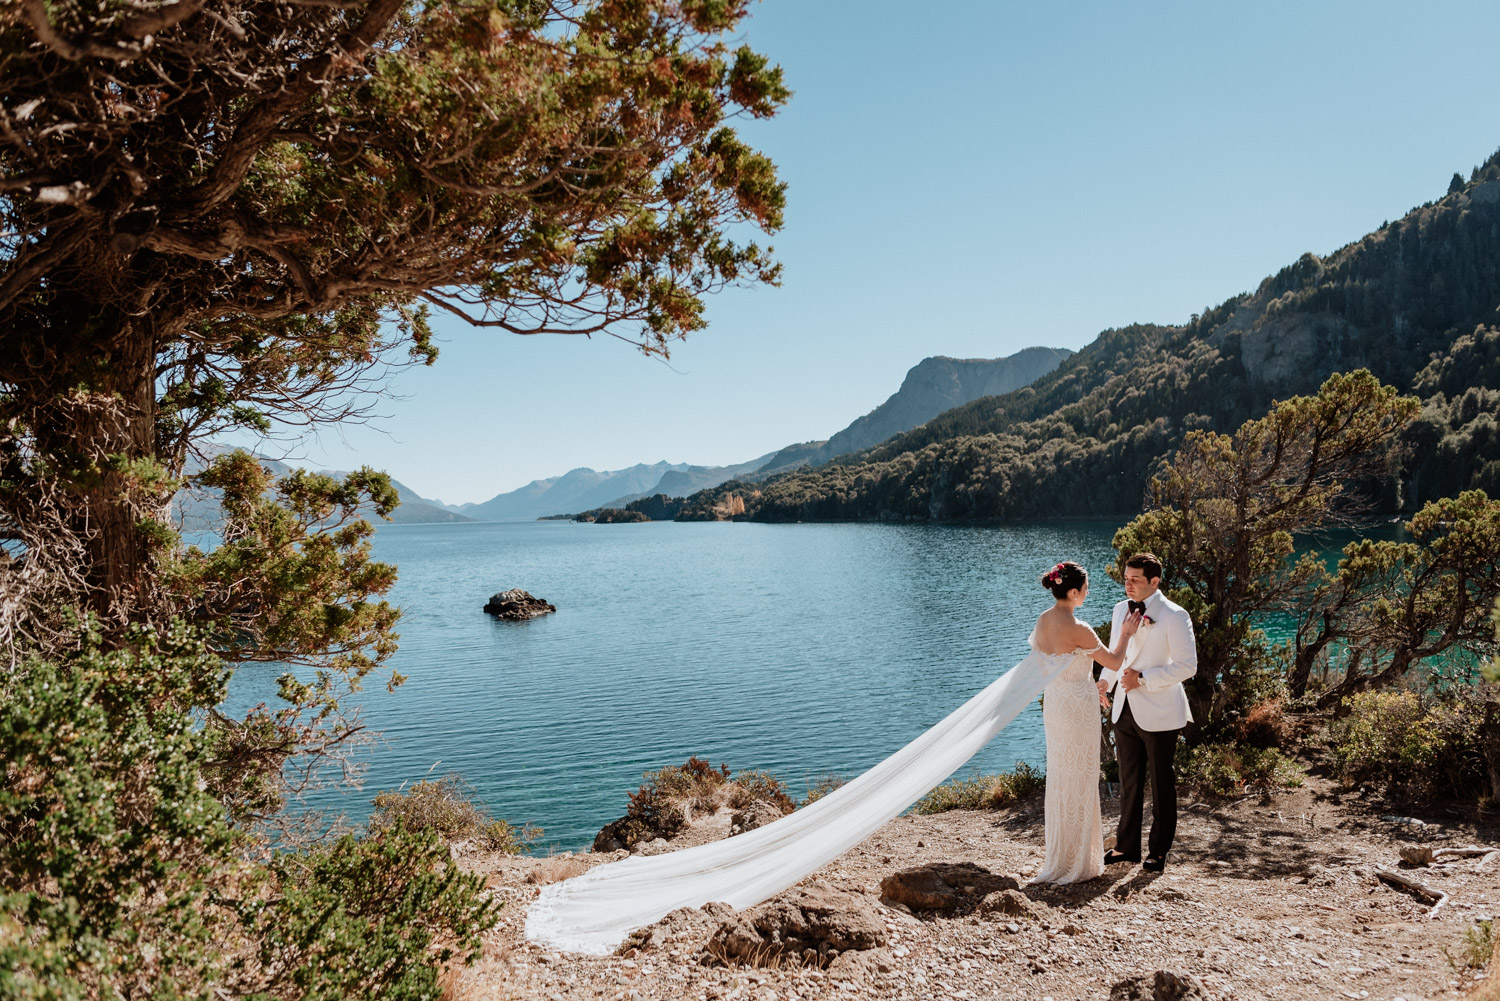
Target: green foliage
<point>1416,749</point>
<point>1481,944</point>
<point>291,582</point>
<point>372,917</point>
<point>1085,439</point>
<point>1223,513</point>
<point>123,877</point>
<point>1491,670</point>
<point>446,806</point>
<point>984,792</point>
<point>1232,769</point>
<point>246,235</point>
<point>110,838</point>
<point>1394,604</point>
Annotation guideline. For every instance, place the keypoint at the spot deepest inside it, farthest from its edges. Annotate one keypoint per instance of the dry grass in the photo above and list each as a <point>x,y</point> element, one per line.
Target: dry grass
<point>984,792</point>
<point>484,981</point>
<point>556,868</point>
<point>668,798</point>
<point>821,786</point>
<point>446,805</point>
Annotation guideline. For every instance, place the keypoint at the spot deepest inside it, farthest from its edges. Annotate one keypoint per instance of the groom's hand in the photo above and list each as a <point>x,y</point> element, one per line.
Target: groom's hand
<point>1103,687</point>
<point>1131,679</point>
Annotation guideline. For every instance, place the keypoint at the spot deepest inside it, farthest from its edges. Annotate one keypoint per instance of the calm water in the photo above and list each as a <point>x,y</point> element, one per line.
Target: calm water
<point>799,649</point>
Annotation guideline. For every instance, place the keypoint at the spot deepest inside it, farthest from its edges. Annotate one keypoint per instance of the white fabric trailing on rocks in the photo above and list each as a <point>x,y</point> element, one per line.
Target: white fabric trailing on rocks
<point>593,913</point>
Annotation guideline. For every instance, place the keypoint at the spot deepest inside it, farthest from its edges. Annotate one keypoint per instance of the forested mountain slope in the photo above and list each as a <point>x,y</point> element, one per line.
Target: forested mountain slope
<point>1415,302</point>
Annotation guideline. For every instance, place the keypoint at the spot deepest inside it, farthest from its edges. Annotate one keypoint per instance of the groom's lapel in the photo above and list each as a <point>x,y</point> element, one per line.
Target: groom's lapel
<point>1143,635</point>
<point>1136,645</point>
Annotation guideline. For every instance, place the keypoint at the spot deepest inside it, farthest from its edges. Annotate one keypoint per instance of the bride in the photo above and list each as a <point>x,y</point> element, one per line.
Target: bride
<point>1070,720</point>
<point>593,912</point>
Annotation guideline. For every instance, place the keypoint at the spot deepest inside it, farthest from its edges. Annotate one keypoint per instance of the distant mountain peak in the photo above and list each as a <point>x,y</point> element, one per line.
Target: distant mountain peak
<point>931,386</point>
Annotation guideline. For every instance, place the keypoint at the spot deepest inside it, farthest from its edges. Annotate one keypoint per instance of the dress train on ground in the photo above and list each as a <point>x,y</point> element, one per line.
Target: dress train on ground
<point>593,913</point>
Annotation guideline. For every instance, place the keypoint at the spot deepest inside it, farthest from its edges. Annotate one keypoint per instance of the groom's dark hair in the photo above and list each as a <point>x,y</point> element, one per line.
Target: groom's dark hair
<point>1147,563</point>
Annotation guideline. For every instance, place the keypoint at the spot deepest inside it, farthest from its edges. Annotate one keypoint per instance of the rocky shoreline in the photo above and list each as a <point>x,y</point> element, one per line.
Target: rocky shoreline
<point>1264,897</point>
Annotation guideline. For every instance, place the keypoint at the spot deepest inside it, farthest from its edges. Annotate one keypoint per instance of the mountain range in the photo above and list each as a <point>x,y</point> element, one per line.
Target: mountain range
<point>1415,301</point>
<point>931,387</point>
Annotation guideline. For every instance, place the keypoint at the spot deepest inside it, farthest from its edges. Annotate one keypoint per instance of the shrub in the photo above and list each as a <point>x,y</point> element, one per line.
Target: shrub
<point>751,785</point>
<point>378,916</point>
<point>821,786</point>
<point>1480,944</point>
<point>1017,786</point>
<point>660,803</point>
<point>110,839</point>
<point>445,807</point>
<point>1233,769</point>
<point>984,792</point>
<point>123,877</point>
<point>1489,990</point>
<point>1265,725</point>
<point>1413,750</point>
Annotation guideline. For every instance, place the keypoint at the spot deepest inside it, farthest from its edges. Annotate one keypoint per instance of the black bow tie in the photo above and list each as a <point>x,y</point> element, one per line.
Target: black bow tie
<point>1137,606</point>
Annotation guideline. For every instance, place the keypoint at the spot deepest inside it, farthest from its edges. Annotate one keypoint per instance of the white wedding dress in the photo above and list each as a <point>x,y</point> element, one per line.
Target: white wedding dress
<point>593,912</point>
<point>1070,719</point>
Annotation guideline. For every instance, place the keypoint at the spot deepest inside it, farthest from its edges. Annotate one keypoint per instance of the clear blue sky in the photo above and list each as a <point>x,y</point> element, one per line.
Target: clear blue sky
<point>970,180</point>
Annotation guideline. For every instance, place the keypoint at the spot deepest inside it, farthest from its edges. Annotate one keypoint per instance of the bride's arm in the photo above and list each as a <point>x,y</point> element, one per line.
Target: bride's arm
<point>1111,660</point>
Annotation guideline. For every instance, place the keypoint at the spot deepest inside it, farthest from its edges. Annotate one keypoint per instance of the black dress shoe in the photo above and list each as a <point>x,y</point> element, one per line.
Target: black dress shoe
<point>1113,857</point>
<point>1154,863</point>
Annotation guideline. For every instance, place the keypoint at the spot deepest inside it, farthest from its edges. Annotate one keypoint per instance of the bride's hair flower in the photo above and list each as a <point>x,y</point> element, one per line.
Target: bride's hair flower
<point>1064,577</point>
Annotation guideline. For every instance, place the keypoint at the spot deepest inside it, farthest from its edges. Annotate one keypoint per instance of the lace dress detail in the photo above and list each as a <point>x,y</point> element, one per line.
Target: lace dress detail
<point>1070,719</point>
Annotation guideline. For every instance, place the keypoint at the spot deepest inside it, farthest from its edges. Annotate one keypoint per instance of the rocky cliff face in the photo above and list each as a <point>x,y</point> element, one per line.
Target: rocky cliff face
<point>932,386</point>
<point>939,384</point>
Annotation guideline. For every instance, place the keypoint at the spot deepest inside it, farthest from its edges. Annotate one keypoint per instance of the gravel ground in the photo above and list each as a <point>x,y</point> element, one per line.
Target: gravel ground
<point>1263,897</point>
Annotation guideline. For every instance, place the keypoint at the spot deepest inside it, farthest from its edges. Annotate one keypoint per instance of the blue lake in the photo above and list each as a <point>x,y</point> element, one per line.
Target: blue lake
<point>802,650</point>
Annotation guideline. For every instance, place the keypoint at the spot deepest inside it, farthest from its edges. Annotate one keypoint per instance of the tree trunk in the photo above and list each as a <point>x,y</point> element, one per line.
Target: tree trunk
<point>97,424</point>
<point>1489,745</point>
<point>1305,658</point>
<point>1401,660</point>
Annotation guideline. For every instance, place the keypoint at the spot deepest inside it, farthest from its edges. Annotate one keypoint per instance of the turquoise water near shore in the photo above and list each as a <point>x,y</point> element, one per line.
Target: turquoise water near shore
<point>799,649</point>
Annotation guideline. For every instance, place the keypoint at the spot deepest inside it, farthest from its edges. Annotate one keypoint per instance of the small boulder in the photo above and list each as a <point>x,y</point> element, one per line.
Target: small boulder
<point>1007,904</point>
<point>811,926</point>
<point>656,846</point>
<point>517,605</point>
<point>1416,854</point>
<point>1163,985</point>
<point>860,966</point>
<point>684,925</point>
<point>943,886</point>
<point>758,813</point>
<point>626,832</point>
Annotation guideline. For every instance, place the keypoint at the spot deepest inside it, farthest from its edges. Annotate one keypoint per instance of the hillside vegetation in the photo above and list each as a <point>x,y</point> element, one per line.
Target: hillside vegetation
<point>1414,302</point>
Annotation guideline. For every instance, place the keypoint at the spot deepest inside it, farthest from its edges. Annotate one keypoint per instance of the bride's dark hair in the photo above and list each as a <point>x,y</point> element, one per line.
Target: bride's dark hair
<point>1064,577</point>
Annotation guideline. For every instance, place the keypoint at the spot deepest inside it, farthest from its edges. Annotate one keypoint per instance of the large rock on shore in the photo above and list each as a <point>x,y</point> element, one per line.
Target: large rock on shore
<point>517,605</point>
<point>943,886</point>
<point>812,926</point>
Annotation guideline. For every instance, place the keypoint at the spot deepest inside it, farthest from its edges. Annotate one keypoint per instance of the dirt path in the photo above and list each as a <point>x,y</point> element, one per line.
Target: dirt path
<point>1262,898</point>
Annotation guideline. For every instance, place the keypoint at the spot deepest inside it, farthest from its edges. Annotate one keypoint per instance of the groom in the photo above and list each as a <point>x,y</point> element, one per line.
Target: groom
<point>1150,710</point>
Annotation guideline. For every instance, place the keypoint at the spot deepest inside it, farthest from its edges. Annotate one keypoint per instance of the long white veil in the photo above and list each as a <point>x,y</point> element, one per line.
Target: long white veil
<point>593,913</point>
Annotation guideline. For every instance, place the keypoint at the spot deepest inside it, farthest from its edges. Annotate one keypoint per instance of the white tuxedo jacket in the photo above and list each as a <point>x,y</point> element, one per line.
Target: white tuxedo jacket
<point>1164,652</point>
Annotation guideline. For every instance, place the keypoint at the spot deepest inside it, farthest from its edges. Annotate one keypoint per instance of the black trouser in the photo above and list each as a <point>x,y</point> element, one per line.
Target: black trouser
<point>1141,752</point>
